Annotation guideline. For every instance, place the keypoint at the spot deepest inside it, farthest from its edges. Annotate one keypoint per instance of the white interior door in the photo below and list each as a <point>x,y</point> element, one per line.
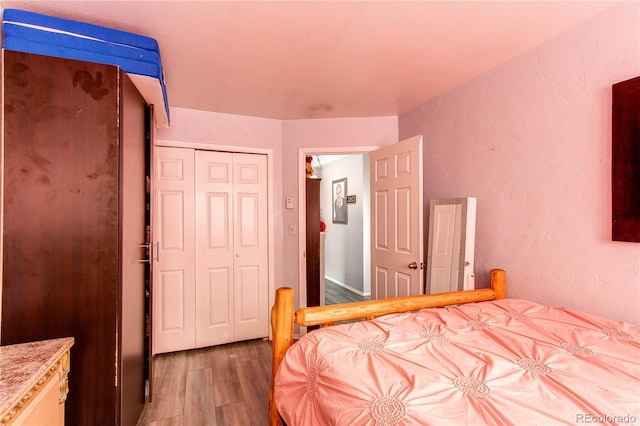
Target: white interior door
<point>444,254</point>
<point>397,238</point>
<point>174,291</point>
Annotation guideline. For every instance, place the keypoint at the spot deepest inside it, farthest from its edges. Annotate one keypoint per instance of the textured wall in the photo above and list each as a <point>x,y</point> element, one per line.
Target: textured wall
<point>531,140</point>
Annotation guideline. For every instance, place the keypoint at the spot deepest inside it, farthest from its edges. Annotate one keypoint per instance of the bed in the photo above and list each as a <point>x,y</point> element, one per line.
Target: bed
<point>469,358</point>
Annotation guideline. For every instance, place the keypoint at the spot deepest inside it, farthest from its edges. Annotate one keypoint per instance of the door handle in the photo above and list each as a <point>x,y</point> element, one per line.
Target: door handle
<point>414,265</point>
<point>151,251</point>
<point>147,247</point>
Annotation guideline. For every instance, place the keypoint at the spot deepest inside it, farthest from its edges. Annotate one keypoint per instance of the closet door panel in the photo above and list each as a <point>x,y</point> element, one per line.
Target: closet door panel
<point>174,293</point>
<point>172,301</point>
<point>251,251</point>
<point>247,287</point>
<point>219,280</point>
<point>214,248</point>
<point>217,220</point>
<point>248,221</point>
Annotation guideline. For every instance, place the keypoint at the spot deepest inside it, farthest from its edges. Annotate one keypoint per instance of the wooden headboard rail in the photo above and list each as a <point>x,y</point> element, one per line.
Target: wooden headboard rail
<point>284,316</point>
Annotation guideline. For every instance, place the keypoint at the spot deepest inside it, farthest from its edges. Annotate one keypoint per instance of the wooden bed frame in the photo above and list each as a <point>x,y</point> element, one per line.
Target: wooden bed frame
<point>283,316</point>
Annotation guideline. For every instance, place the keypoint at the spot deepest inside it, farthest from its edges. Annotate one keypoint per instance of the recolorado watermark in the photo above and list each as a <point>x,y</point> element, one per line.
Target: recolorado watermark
<point>605,418</point>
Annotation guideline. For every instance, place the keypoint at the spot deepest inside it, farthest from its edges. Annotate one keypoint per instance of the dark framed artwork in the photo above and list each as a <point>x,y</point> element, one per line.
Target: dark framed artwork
<point>625,167</point>
<point>339,210</point>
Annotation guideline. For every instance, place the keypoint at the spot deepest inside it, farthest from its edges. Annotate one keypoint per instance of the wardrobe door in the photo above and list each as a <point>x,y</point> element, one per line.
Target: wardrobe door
<point>131,385</point>
<point>60,219</point>
<point>174,294</point>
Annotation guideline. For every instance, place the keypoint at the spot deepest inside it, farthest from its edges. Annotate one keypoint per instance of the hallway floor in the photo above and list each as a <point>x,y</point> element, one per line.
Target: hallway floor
<point>334,293</point>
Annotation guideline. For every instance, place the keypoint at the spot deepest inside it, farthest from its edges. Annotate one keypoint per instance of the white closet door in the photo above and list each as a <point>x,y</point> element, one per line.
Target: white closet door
<point>211,283</point>
<point>214,248</point>
<point>174,290</point>
<point>231,247</point>
<point>250,283</point>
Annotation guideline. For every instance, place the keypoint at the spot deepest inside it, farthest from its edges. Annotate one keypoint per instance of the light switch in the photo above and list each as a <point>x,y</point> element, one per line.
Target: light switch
<point>289,203</point>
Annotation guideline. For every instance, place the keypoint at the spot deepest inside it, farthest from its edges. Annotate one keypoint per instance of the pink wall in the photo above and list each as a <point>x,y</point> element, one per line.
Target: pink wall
<point>323,133</point>
<point>190,125</point>
<point>531,140</point>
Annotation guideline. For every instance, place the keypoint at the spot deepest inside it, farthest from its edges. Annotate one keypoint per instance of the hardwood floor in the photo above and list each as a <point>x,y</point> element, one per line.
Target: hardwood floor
<point>334,293</point>
<point>220,385</point>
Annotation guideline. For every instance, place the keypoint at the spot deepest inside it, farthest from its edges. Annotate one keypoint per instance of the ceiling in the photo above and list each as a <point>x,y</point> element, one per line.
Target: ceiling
<point>321,59</point>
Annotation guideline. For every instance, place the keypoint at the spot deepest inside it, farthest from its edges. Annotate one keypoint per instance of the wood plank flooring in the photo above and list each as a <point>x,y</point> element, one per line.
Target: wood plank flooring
<point>221,385</point>
<point>334,293</point>
<point>216,386</point>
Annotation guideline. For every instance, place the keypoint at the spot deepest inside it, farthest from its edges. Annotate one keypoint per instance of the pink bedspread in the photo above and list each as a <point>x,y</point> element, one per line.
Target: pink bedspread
<point>507,362</point>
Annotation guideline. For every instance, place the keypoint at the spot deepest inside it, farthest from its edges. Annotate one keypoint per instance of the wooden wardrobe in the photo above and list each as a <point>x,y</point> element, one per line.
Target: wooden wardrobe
<point>74,226</point>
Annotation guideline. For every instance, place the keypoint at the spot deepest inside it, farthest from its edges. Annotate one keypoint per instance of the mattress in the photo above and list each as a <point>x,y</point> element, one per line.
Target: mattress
<point>507,362</point>
<point>137,55</point>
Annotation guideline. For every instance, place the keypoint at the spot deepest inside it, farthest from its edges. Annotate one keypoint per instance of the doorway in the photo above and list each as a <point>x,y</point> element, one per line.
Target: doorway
<point>397,254</point>
<point>346,272</point>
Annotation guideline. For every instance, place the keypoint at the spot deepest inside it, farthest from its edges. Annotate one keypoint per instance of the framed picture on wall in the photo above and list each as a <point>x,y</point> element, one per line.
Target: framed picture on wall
<point>339,201</point>
<point>625,160</point>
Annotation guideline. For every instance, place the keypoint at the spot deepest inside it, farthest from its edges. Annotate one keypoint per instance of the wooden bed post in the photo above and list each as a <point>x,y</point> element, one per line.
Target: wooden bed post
<point>282,326</point>
<point>499,283</point>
